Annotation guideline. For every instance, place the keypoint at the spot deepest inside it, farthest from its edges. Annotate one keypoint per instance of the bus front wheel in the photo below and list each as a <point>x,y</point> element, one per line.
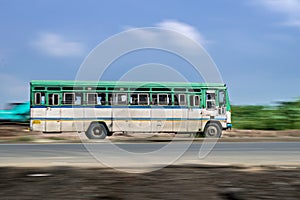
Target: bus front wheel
<point>96,131</point>
<point>212,130</point>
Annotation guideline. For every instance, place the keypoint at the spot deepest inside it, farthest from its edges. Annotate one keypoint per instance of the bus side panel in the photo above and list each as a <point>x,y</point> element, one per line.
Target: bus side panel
<point>120,117</point>
<point>139,120</point>
<point>98,114</point>
<point>79,118</point>
<point>72,119</point>
<point>37,122</point>
<point>194,119</point>
<point>67,115</point>
<point>161,119</point>
<point>53,122</point>
<point>180,120</point>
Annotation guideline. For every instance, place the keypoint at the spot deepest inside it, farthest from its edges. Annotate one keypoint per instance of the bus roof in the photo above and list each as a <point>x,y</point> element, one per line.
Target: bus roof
<point>124,84</point>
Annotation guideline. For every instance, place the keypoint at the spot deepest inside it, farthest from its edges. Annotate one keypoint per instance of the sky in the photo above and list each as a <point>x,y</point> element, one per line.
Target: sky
<point>255,44</point>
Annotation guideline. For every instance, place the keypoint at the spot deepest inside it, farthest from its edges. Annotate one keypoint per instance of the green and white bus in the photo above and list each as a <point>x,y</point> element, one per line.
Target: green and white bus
<point>100,108</point>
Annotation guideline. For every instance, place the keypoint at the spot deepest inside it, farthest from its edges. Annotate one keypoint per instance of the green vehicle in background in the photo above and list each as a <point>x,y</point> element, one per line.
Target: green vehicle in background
<point>16,112</point>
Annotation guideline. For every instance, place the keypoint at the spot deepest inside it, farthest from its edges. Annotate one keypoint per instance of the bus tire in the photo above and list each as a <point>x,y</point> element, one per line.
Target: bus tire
<point>212,130</point>
<point>96,131</point>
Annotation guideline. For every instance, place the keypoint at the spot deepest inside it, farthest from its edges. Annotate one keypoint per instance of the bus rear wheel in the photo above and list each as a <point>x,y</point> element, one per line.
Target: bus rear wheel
<point>212,130</point>
<point>96,131</point>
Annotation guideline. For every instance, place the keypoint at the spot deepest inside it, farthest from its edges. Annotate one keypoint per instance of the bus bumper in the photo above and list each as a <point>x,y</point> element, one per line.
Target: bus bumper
<point>229,126</point>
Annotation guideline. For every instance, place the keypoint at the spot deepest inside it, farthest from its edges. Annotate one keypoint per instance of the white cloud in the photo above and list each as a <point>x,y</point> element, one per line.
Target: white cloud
<point>56,45</point>
<point>289,8</point>
<point>183,28</point>
<point>179,34</point>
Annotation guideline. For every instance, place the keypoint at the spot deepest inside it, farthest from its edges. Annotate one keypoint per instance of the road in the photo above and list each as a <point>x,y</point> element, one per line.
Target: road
<point>150,155</point>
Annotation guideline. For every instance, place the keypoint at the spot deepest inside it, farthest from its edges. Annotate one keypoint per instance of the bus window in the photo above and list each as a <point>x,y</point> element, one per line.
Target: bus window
<point>92,98</point>
<point>154,99</point>
<point>101,100</point>
<point>39,98</point>
<point>163,99</point>
<point>169,99</point>
<point>210,100</point>
<point>69,98</point>
<point>120,99</point>
<point>53,99</point>
<point>134,99</point>
<point>222,100</point>
<point>197,100</point>
<point>181,98</point>
<point>176,102</point>
<point>143,99</point>
<point>192,102</point>
<point>110,99</point>
<point>78,98</point>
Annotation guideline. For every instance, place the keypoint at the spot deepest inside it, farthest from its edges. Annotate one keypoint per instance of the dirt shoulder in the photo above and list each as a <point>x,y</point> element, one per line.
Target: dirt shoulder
<point>175,182</point>
<point>21,134</point>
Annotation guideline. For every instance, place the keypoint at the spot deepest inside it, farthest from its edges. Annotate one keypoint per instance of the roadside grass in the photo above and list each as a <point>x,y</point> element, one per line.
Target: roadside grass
<point>24,139</point>
<point>56,138</point>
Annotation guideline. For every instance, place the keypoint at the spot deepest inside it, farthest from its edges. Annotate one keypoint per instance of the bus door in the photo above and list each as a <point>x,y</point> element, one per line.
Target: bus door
<point>221,114</point>
<point>53,113</point>
<point>194,114</point>
<point>216,106</point>
<point>211,111</point>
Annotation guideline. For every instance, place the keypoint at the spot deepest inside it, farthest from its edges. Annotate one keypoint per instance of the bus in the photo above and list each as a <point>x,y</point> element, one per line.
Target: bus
<point>100,108</point>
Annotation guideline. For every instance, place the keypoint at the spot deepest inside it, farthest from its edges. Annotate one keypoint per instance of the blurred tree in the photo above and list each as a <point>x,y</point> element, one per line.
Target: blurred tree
<point>286,115</point>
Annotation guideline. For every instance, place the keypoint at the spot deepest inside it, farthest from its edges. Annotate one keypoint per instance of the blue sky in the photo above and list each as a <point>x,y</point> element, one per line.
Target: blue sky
<point>254,43</point>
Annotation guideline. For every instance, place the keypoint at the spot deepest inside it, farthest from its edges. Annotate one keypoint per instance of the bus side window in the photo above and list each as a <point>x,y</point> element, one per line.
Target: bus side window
<point>192,102</point>
<point>154,99</point>
<point>222,99</point>
<point>197,100</point>
<point>92,98</point>
<point>179,99</point>
<point>56,99</point>
<point>182,101</point>
<point>53,99</point>
<point>110,99</point>
<point>210,100</point>
<point>143,99</point>
<point>39,98</point>
<point>120,99</point>
<point>176,101</point>
<point>101,99</point>
<point>134,99</point>
<point>163,99</point>
<point>69,98</point>
<point>78,99</point>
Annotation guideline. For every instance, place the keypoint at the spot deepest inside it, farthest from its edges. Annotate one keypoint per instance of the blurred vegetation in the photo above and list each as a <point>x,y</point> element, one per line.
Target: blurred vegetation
<point>285,115</point>
<point>24,139</point>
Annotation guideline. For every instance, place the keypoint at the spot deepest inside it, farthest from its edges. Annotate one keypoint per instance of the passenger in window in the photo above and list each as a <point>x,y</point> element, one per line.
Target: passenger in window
<point>134,101</point>
<point>102,99</point>
<point>176,102</point>
<point>154,101</point>
<point>208,96</point>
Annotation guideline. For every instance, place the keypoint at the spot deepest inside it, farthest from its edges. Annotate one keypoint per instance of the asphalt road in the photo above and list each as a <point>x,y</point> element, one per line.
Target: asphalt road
<point>143,156</point>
